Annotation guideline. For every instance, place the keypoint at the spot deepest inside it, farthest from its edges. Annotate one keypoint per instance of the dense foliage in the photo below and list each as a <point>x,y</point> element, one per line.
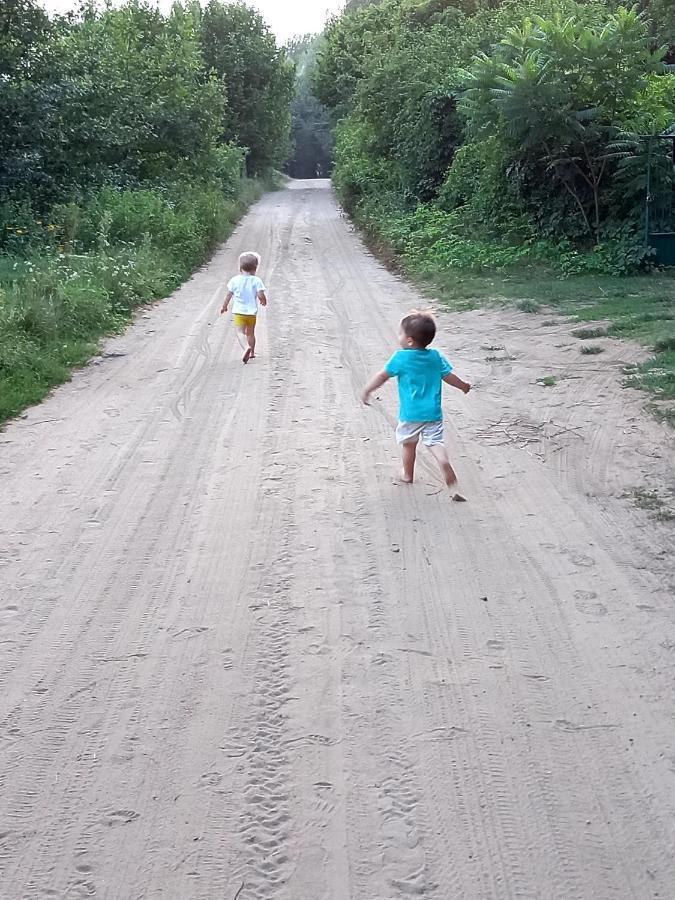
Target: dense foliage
<point>475,132</point>
<point>311,132</point>
<point>129,96</point>
<point>239,48</point>
<point>125,135</point>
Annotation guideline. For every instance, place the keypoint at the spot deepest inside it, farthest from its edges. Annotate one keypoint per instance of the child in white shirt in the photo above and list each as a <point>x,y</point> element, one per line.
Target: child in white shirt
<point>247,290</point>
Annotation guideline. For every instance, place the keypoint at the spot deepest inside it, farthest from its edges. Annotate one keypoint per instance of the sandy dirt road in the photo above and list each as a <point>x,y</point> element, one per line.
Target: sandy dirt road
<point>236,660</point>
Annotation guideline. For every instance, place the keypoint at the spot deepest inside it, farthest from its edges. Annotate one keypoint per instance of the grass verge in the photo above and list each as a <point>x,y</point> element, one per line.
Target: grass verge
<point>639,307</point>
<point>654,503</point>
<point>121,251</point>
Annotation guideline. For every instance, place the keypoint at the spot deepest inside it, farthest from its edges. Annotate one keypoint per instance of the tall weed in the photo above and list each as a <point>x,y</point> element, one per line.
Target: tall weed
<point>103,258</point>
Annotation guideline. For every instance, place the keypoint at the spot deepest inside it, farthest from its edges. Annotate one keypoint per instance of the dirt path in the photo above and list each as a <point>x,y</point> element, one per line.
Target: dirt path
<point>237,661</point>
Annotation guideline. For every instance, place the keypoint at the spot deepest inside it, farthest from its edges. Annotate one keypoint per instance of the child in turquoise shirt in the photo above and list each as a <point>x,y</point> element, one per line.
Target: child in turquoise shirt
<point>420,373</point>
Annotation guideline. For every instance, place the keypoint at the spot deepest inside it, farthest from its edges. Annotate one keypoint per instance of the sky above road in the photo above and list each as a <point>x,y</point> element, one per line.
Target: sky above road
<point>285,17</point>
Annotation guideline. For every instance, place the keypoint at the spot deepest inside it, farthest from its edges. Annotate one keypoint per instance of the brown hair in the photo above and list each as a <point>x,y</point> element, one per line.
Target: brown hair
<point>249,262</point>
<point>419,327</point>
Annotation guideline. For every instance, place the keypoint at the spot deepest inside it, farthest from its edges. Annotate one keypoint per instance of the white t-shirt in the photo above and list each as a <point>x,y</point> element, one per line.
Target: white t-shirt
<point>245,289</point>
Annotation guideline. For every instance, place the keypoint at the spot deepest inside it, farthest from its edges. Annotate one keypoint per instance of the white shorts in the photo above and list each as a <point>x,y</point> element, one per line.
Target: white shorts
<point>430,432</point>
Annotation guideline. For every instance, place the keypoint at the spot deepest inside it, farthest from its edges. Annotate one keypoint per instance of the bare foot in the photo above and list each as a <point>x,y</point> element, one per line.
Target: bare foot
<point>403,478</point>
<point>247,355</point>
<point>448,474</point>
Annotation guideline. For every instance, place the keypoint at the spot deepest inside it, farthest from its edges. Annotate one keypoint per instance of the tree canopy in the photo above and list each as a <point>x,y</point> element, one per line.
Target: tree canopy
<point>125,96</point>
<point>239,48</point>
<point>311,133</point>
<point>512,117</point>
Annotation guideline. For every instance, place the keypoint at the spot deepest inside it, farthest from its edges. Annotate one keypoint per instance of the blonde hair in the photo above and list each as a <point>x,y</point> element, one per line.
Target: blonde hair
<point>249,262</point>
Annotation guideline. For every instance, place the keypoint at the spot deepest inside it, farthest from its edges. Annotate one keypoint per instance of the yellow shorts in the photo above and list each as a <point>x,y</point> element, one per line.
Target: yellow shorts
<point>241,320</point>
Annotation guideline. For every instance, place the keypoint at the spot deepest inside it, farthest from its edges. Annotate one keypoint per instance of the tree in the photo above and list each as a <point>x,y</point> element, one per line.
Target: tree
<point>240,49</point>
<point>554,91</point>
<point>24,33</point>
<point>123,99</point>
<point>125,96</point>
<point>311,136</point>
<point>344,56</point>
<point>409,103</point>
<point>661,17</point>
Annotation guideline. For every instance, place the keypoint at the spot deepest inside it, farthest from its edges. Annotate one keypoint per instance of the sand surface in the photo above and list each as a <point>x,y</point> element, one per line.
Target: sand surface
<point>236,660</point>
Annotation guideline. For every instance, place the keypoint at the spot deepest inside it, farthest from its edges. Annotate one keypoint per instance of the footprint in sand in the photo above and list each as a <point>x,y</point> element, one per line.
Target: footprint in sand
<point>587,602</point>
<point>120,817</point>
<point>580,559</point>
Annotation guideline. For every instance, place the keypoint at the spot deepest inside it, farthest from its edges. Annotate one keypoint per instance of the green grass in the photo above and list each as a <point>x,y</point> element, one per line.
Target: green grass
<point>638,300</point>
<point>651,501</point>
<point>657,376</point>
<point>55,306</point>
<point>54,309</point>
<point>528,306</point>
<point>646,499</point>
<point>51,365</point>
<point>591,349</point>
<point>470,272</point>
<point>586,334</point>
<point>638,307</point>
<point>665,413</point>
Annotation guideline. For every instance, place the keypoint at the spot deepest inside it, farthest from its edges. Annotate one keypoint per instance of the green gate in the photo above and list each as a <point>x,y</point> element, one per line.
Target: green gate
<point>659,213</point>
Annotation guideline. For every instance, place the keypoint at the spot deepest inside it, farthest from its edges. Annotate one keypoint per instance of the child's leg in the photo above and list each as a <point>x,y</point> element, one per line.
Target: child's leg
<point>250,338</point>
<point>409,451</point>
<point>241,336</point>
<point>441,456</point>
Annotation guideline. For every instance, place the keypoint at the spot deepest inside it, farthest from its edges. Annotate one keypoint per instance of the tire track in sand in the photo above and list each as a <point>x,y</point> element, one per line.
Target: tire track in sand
<point>239,661</point>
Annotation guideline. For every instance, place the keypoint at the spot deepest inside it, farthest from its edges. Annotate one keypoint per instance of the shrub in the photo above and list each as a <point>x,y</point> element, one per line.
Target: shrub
<point>586,333</point>
<point>664,344</point>
<point>124,248</point>
<point>591,350</point>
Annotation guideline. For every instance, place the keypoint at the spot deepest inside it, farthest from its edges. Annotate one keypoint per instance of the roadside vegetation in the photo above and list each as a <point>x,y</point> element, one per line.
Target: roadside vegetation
<point>130,144</point>
<point>311,127</point>
<point>495,150</point>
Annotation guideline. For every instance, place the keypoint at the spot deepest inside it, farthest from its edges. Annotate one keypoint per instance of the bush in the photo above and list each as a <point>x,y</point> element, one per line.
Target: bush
<point>477,182</point>
<point>524,129</point>
<point>665,344</point>
<point>186,220</point>
<point>124,248</point>
<point>586,334</point>
<point>621,254</point>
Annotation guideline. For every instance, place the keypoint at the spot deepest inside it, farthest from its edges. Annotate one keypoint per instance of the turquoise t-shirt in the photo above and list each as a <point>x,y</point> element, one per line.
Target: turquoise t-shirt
<point>420,376</point>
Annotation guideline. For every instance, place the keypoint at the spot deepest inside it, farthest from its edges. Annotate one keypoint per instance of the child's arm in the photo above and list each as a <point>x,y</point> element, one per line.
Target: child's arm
<point>226,303</point>
<point>262,297</point>
<point>375,382</point>
<point>456,382</point>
